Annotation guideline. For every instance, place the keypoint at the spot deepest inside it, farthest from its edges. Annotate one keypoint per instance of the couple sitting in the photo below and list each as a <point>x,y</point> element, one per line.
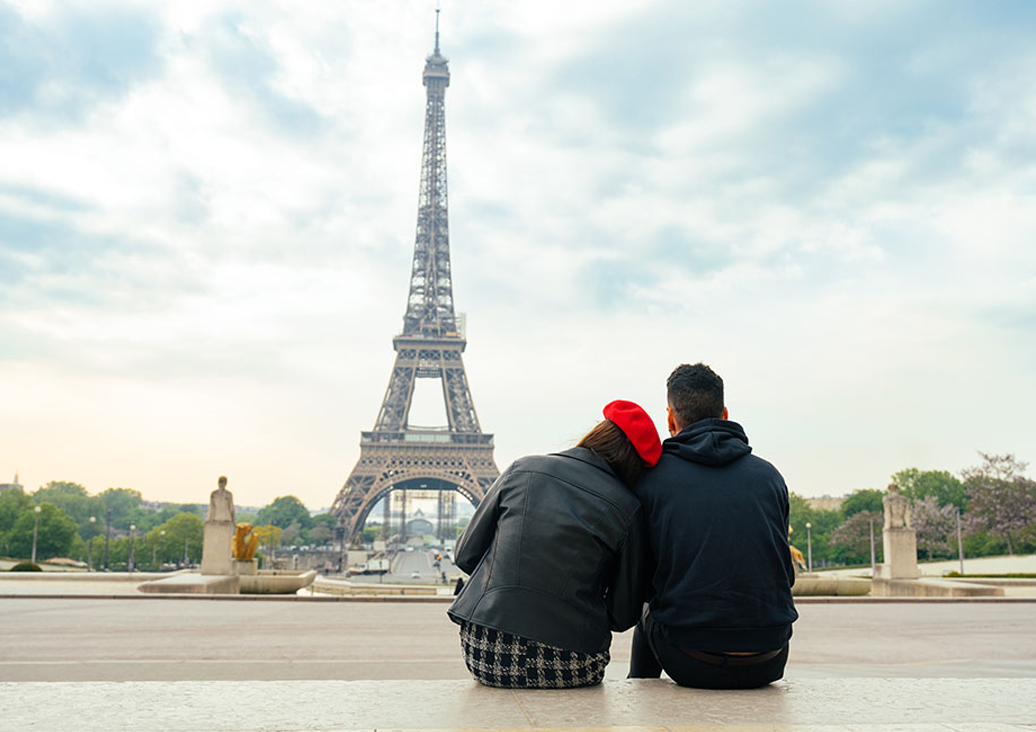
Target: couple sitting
<point>568,547</point>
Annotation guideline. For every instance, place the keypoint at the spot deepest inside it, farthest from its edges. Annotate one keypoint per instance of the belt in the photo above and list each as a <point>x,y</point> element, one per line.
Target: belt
<point>722,659</point>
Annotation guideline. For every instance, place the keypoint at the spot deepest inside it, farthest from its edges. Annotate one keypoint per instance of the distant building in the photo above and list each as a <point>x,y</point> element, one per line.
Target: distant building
<point>826,503</point>
<point>14,484</point>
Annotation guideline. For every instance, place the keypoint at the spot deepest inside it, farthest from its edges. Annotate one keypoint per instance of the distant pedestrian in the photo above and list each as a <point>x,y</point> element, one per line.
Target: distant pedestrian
<point>557,553</point>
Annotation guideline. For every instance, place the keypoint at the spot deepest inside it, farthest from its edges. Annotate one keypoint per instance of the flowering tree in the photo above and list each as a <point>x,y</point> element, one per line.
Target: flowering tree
<point>1002,500</point>
<point>855,535</point>
<point>934,525</point>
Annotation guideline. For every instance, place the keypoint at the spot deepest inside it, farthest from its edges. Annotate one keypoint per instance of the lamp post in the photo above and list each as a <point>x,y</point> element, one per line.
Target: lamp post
<point>874,562</point>
<point>809,547</point>
<point>185,558</point>
<point>960,545</point>
<point>130,563</point>
<point>35,527</point>
<point>107,535</point>
<point>90,548</point>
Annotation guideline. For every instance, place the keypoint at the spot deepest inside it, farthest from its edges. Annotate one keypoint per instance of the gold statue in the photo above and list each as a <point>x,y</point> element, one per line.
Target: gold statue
<point>244,551</point>
<point>798,561</point>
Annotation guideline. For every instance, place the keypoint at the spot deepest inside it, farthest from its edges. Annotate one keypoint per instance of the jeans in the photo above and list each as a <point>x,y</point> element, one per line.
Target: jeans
<point>653,653</point>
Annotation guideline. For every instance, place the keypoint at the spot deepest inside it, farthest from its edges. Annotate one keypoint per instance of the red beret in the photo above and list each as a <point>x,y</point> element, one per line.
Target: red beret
<point>638,427</point>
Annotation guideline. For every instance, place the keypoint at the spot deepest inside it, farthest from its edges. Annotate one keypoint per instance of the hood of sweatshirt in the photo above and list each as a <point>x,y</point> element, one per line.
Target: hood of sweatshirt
<point>709,442</point>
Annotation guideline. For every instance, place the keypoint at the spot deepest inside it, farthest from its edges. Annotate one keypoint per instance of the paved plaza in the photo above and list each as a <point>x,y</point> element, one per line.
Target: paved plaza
<point>795,705</point>
<point>80,639</point>
<point>92,654</point>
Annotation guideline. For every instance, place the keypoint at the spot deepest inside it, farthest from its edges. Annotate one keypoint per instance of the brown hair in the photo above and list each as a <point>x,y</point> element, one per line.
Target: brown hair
<point>611,445</point>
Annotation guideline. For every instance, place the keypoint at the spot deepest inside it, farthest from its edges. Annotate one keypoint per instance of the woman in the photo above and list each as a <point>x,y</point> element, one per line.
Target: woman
<point>557,553</point>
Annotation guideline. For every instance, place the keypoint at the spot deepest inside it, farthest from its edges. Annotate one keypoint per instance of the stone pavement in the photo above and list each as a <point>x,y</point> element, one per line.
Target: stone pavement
<point>838,705</point>
<point>132,663</point>
<point>148,638</point>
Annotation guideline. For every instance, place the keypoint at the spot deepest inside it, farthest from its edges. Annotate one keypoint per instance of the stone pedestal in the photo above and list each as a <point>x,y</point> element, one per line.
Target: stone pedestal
<point>247,567</point>
<point>215,551</point>
<point>900,547</point>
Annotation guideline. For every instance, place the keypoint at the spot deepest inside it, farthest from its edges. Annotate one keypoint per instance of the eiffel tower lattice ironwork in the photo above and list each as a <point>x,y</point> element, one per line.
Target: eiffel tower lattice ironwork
<point>396,455</point>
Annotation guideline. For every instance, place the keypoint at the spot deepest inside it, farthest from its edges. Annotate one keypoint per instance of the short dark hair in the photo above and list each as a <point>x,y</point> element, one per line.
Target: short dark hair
<point>610,444</point>
<point>694,393</point>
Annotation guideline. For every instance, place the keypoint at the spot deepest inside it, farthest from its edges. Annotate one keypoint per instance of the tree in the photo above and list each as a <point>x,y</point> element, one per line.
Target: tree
<point>918,484</point>
<point>1002,501</point>
<point>854,535</point>
<point>183,526</point>
<point>995,467</point>
<point>934,524</point>
<point>319,534</point>
<point>315,534</point>
<point>292,536</point>
<point>285,511</point>
<point>822,521</point>
<point>865,499</point>
<point>54,536</point>
<point>268,534</point>
<point>121,501</point>
<point>12,503</point>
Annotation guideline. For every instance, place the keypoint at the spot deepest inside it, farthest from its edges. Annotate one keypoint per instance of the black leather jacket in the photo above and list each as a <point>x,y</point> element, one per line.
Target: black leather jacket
<point>556,552</point>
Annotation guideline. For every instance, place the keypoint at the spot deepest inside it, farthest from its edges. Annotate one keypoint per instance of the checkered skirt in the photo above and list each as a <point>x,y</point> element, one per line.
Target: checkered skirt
<point>500,659</point>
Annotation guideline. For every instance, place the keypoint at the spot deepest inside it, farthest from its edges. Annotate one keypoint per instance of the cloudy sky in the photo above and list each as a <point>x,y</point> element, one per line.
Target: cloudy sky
<point>207,218</point>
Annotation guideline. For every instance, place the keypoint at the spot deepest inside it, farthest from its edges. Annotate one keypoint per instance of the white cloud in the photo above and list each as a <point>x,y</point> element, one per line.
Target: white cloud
<point>230,282</point>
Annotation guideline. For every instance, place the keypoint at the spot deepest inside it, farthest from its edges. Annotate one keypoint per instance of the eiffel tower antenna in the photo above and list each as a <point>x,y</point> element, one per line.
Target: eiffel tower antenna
<point>395,455</point>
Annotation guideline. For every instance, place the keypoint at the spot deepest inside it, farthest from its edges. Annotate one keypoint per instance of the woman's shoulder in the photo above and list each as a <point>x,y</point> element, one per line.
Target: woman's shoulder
<point>580,469</point>
<point>575,459</point>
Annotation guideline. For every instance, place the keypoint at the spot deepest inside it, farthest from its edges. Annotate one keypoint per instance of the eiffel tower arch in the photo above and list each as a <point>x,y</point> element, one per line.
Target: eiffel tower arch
<point>396,455</point>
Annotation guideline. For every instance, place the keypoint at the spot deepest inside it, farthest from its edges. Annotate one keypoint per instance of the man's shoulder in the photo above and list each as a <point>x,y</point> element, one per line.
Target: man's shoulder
<point>672,471</point>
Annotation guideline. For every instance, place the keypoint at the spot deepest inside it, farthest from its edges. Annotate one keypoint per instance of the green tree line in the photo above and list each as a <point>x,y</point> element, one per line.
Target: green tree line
<point>995,500</point>
<point>117,523</point>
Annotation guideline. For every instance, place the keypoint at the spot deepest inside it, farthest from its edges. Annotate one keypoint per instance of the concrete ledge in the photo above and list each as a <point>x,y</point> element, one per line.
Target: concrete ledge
<point>931,588</point>
<point>997,581</point>
<point>340,587</point>
<point>794,704</point>
<point>275,582</point>
<point>807,585</point>
<point>55,576</point>
<point>193,584</point>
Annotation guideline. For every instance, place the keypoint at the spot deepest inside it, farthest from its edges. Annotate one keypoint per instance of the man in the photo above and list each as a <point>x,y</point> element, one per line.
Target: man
<point>717,520</point>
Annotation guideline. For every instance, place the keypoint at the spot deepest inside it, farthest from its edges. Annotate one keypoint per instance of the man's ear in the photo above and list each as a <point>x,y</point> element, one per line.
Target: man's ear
<point>670,422</point>
<point>726,414</point>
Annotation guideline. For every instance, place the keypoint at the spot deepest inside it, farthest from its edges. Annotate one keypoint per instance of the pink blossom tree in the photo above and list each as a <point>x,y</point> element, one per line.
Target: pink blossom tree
<point>934,525</point>
<point>855,535</point>
<point>1002,500</point>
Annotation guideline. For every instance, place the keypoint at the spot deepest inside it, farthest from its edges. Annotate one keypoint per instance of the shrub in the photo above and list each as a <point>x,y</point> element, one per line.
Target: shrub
<point>26,567</point>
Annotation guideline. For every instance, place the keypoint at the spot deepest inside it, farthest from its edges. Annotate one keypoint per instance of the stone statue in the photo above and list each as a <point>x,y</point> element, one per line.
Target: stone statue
<point>244,551</point>
<point>221,503</point>
<point>898,539</point>
<point>218,531</point>
<point>897,509</point>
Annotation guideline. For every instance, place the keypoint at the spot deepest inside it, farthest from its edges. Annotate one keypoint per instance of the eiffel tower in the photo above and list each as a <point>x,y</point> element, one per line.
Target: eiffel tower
<point>396,456</point>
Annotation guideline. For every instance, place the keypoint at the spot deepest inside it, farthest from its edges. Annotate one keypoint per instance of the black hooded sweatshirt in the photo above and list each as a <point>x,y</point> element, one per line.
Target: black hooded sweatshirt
<point>718,527</point>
